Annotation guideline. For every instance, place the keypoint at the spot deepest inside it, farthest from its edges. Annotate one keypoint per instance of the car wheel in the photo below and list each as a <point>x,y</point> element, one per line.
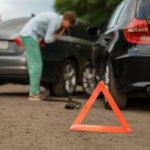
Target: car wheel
<point>88,80</point>
<point>68,80</point>
<point>119,98</point>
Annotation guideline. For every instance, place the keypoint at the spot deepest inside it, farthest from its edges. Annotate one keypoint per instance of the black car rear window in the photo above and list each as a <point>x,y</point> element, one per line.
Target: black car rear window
<point>143,9</point>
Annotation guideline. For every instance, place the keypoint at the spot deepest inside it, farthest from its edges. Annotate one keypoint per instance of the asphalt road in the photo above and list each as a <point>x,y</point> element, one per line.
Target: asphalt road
<point>45,125</point>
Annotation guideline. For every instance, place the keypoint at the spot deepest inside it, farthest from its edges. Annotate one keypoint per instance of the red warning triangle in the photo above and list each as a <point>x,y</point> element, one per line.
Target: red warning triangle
<point>101,88</point>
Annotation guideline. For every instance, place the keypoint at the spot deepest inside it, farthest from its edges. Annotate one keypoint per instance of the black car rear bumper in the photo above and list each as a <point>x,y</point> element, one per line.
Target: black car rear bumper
<point>132,73</point>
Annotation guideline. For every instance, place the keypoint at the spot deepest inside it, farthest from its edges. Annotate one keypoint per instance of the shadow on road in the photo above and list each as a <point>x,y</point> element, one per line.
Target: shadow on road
<point>138,104</point>
<point>14,94</point>
<point>52,98</point>
<point>142,104</point>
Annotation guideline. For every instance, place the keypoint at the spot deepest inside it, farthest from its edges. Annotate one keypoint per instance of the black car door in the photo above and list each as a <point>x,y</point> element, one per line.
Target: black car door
<point>111,33</point>
<point>54,55</point>
<point>81,43</point>
<point>106,41</point>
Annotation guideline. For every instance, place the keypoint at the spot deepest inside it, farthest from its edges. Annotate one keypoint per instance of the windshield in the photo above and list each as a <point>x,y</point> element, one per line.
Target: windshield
<point>23,8</point>
<point>143,9</point>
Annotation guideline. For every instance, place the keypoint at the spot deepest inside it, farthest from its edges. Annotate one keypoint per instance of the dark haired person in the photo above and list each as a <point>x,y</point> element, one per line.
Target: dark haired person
<point>48,26</point>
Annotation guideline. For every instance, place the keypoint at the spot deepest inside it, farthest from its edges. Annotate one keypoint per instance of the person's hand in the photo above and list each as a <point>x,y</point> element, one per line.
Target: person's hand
<point>60,33</point>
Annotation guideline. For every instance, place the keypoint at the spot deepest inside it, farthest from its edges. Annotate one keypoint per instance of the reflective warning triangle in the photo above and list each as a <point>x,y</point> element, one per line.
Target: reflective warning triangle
<point>119,129</point>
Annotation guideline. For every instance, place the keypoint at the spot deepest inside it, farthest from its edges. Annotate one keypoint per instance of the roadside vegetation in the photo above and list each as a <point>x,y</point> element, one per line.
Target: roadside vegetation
<point>96,12</point>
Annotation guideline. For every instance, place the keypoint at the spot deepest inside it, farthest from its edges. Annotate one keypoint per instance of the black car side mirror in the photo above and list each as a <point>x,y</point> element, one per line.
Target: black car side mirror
<point>93,31</point>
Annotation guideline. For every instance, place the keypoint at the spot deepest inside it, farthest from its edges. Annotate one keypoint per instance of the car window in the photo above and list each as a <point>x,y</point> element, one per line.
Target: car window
<point>143,9</point>
<point>23,8</point>
<point>79,31</point>
<point>116,16</point>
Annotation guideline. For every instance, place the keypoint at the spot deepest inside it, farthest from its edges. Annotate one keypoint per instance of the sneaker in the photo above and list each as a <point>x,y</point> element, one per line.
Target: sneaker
<point>36,97</point>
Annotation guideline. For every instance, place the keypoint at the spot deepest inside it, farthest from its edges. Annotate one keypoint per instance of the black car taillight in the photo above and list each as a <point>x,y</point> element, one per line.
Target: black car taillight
<point>18,41</point>
<point>137,32</point>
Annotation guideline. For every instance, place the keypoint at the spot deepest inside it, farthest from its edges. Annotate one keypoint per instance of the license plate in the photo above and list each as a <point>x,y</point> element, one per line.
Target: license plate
<point>3,45</point>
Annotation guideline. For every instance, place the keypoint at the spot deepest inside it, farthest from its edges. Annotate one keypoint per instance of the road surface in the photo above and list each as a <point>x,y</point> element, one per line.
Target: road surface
<point>45,125</point>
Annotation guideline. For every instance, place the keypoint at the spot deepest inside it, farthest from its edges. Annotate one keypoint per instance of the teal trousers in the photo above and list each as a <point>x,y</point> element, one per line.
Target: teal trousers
<point>35,64</point>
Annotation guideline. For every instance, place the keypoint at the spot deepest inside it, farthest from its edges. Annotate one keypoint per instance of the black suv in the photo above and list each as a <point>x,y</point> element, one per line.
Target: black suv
<point>121,55</point>
<point>66,61</point>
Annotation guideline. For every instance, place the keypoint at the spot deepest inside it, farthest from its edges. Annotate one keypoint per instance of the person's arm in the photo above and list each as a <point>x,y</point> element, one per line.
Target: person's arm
<point>59,34</point>
<point>42,42</point>
<point>50,34</point>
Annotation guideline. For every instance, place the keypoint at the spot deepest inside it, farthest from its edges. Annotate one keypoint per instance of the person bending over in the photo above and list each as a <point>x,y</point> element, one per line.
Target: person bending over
<point>48,26</point>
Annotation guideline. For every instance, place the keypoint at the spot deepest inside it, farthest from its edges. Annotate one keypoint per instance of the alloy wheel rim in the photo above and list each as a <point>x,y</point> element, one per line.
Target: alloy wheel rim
<point>70,78</point>
<point>88,80</point>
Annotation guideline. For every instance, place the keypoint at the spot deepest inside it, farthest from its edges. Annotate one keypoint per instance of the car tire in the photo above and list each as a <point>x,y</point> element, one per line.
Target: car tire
<point>88,80</point>
<point>109,80</point>
<point>67,81</point>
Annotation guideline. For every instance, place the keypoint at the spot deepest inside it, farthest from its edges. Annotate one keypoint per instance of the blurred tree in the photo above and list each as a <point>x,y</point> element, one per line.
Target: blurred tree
<point>96,12</point>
